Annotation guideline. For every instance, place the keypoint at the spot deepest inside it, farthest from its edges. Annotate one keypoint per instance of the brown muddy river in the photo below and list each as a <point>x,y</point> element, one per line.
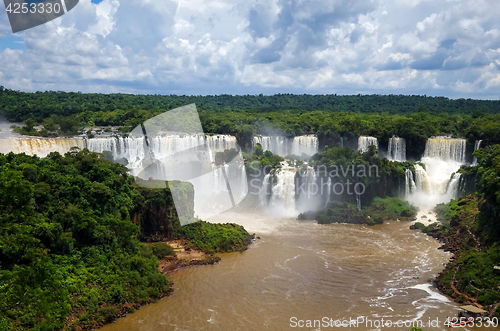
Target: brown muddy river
<point>300,271</point>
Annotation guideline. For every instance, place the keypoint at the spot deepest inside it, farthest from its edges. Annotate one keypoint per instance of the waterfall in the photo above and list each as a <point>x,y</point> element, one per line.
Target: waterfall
<point>277,145</point>
<point>396,150</point>
<point>364,142</point>
<point>283,146</point>
<point>436,183</point>
<point>307,145</point>
<point>410,185</point>
<point>422,182</point>
<point>342,142</point>
<point>476,147</point>
<point>452,190</point>
<point>283,193</point>
<point>265,191</point>
<point>328,191</point>
<point>446,149</point>
<point>39,146</point>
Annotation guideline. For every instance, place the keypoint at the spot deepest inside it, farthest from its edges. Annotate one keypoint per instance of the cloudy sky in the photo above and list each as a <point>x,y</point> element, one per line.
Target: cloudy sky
<point>435,47</point>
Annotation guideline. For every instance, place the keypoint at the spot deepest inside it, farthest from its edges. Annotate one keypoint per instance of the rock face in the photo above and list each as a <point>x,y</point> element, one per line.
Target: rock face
<point>156,214</point>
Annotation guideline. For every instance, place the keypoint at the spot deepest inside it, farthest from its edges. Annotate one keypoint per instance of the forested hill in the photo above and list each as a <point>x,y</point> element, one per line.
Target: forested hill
<point>18,106</point>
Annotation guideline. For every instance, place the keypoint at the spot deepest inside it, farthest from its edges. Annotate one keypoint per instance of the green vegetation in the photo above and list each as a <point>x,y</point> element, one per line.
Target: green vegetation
<point>379,211</point>
<point>67,245</point>
<point>214,238</point>
<point>379,176</point>
<point>69,253</point>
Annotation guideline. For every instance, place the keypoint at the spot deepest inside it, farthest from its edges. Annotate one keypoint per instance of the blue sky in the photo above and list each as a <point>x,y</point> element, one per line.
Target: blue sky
<point>442,47</point>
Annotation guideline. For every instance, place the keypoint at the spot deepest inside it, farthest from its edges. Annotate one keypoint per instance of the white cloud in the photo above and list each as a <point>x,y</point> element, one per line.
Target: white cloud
<point>224,46</point>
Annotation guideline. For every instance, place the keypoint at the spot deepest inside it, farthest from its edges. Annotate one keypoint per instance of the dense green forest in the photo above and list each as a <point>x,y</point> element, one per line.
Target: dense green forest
<point>69,249</point>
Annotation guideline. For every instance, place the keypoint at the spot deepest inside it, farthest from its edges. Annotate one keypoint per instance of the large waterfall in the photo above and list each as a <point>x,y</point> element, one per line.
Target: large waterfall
<point>446,149</point>
<point>396,150</point>
<point>436,180</point>
<point>364,142</point>
<point>301,145</point>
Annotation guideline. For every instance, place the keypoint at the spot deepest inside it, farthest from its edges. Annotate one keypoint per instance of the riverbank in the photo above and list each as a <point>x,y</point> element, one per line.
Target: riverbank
<point>185,256</point>
<point>469,278</point>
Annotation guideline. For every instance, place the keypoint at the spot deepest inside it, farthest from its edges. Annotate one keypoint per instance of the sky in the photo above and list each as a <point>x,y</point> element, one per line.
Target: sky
<point>445,48</point>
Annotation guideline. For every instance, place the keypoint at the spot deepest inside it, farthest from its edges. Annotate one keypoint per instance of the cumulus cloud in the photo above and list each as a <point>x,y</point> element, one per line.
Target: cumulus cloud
<point>449,48</point>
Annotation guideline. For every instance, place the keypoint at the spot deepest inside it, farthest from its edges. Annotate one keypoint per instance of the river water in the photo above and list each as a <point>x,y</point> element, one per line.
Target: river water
<point>306,271</point>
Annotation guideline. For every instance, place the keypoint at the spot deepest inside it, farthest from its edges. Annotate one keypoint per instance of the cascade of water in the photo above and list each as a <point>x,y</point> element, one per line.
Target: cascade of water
<point>328,190</point>
<point>446,149</point>
<point>364,142</point>
<point>40,146</point>
<point>307,145</point>
<point>282,146</point>
<point>342,142</point>
<point>452,190</point>
<point>422,182</point>
<point>265,191</point>
<point>283,193</point>
<point>476,146</point>
<point>276,144</point>
<point>396,150</point>
<point>409,183</point>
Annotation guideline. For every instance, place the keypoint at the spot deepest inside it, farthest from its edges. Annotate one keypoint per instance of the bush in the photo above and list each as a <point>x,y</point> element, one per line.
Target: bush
<point>162,249</point>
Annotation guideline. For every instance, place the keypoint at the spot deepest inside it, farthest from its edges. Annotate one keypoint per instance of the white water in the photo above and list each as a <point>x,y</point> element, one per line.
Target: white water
<point>39,146</point>
<point>283,193</point>
<point>438,182</point>
<point>364,142</point>
<point>396,150</point>
<point>282,146</point>
<point>409,183</point>
<point>307,145</point>
<point>476,147</point>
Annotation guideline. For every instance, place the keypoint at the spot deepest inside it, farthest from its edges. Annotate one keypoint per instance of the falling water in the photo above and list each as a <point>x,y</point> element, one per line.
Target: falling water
<point>39,146</point>
<point>328,191</point>
<point>396,150</point>
<point>283,146</point>
<point>452,190</point>
<point>409,183</point>
<point>283,193</point>
<point>277,145</point>
<point>364,142</point>
<point>422,182</point>
<point>442,158</point>
<point>476,147</point>
<point>265,191</point>
<point>446,149</point>
<point>307,145</point>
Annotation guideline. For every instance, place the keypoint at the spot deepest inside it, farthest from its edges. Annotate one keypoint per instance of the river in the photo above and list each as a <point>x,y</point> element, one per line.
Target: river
<point>301,271</point>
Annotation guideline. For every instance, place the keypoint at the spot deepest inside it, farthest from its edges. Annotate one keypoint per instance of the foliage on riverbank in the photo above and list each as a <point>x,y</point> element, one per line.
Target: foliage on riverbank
<point>69,253</point>
<point>470,228</point>
<point>379,211</point>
